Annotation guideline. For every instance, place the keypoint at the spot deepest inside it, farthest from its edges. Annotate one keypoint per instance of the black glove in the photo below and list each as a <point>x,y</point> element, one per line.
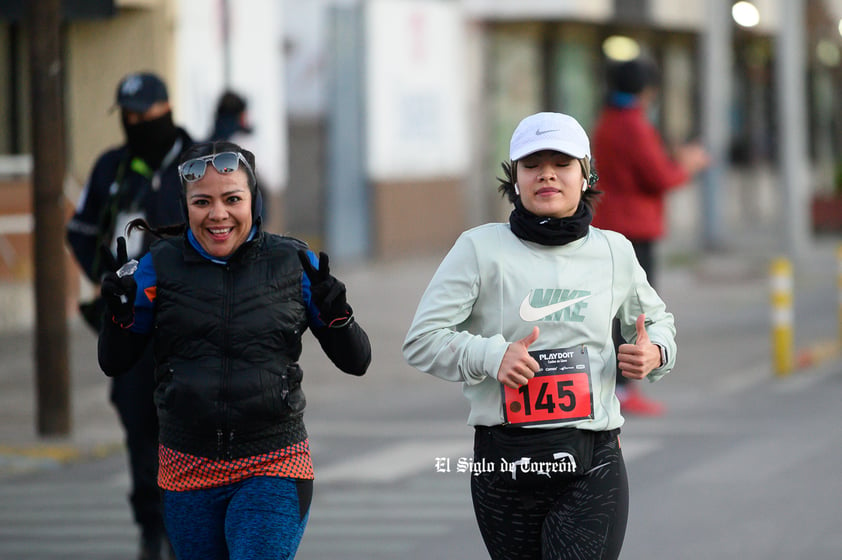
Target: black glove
<point>118,292</point>
<point>327,293</point>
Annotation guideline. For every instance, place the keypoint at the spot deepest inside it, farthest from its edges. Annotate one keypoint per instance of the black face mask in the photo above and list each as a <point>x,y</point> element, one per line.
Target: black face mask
<point>151,140</point>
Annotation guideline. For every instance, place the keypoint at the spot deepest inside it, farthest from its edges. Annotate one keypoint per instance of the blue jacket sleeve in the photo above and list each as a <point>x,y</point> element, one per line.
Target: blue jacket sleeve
<point>347,346</point>
<point>144,303</point>
<point>312,310</point>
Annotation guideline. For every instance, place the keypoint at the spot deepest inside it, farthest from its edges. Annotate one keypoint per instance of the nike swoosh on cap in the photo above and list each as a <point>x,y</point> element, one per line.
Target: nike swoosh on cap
<point>540,132</point>
<point>530,313</point>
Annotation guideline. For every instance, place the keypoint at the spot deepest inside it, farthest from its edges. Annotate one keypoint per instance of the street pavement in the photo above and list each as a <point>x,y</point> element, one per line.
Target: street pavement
<point>743,464</point>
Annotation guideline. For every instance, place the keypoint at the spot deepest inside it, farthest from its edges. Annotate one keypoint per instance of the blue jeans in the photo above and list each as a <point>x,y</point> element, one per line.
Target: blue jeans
<point>259,518</point>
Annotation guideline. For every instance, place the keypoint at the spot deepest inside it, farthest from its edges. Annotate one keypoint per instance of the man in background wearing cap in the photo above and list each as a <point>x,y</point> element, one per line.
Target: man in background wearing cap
<point>138,179</point>
<point>636,172</point>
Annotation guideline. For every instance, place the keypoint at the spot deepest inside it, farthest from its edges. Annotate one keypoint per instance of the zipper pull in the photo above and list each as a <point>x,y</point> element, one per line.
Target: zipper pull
<point>284,386</point>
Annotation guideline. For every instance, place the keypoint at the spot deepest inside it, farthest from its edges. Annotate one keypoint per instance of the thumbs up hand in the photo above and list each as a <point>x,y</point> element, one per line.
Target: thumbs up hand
<point>518,367</point>
<point>637,360</point>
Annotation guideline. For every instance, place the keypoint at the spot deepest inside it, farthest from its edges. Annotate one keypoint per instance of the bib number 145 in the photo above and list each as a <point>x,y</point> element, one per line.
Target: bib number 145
<point>559,392</point>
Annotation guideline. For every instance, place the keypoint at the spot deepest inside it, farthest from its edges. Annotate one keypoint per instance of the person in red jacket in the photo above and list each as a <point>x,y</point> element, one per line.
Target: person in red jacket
<point>636,171</point>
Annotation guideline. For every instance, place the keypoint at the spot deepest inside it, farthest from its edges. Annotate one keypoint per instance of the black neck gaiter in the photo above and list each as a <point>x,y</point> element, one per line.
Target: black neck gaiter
<point>550,231</point>
<point>151,140</point>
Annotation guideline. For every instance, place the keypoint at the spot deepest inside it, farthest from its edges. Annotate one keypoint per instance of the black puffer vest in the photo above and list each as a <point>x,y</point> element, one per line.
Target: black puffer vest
<point>227,340</point>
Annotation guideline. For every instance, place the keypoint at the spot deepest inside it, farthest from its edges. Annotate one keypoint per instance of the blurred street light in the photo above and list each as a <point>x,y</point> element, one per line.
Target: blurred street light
<point>827,52</point>
<point>745,14</point>
<point>620,47</point>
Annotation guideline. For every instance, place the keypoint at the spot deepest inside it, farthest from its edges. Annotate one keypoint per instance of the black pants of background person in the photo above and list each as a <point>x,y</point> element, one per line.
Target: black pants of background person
<point>645,252</point>
<point>583,518</point>
<point>131,395</point>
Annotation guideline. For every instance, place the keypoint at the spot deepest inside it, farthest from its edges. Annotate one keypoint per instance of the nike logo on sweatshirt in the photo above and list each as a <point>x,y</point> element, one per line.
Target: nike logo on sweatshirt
<point>530,313</point>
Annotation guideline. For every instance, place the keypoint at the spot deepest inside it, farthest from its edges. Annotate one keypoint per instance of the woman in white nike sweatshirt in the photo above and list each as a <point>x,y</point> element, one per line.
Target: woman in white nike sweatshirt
<point>521,315</point>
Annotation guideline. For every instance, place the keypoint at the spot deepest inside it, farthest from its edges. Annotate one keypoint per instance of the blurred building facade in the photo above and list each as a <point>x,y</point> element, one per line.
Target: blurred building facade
<point>199,48</point>
<point>381,124</point>
<point>514,58</point>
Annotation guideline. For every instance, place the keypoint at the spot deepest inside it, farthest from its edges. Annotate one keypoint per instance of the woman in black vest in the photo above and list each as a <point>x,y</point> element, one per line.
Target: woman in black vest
<point>225,305</point>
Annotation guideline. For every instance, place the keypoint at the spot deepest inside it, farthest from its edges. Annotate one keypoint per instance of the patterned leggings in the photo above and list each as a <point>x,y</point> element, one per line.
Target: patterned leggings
<point>584,519</point>
<point>260,517</point>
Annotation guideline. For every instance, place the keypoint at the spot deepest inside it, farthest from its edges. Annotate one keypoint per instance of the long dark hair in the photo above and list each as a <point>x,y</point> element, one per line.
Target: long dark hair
<point>194,151</point>
<point>590,197</point>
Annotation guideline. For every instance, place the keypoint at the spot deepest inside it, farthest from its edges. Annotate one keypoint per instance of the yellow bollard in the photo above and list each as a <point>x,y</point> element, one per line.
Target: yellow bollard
<point>782,340</point>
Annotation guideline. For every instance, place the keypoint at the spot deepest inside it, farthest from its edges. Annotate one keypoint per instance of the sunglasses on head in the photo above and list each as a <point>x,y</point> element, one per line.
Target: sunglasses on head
<point>194,169</point>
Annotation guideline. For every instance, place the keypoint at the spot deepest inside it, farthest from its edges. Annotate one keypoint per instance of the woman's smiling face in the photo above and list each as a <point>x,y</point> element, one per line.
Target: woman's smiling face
<point>219,211</point>
<point>550,183</point>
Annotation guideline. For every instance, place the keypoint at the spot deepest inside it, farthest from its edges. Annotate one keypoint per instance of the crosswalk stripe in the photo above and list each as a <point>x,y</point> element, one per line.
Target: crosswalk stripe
<point>54,518</point>
<point>70,529</point>
<point>369,429</point>
<point>402,529</point>
<point>384,521</point>
<point>393,462</point>
<point>380,504</point>
<point>766,458</point>
<point>107,514</point>
<point>71,489</point>
<point>426,511</point>
<point>440,492</point>
<point>380,547</point>
<point>636,447</point>
<point>116,548</point>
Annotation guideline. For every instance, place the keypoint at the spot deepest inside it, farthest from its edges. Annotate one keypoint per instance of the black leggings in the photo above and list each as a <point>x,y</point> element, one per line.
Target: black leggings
<point>584,519</point>
<point>131,394</point>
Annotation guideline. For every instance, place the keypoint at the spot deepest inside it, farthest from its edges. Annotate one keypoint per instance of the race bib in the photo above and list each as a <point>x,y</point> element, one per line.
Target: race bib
<point>561,390</point>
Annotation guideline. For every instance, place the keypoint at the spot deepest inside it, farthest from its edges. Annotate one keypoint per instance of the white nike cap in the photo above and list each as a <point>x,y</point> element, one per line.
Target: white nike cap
<point>549,131</point>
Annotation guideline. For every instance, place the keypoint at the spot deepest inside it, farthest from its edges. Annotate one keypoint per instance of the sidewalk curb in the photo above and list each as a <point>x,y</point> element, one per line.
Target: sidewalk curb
<point>16,460</point>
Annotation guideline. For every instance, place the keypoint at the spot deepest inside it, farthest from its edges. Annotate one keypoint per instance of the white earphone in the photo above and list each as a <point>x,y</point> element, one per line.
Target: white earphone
<point>517,190</point>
